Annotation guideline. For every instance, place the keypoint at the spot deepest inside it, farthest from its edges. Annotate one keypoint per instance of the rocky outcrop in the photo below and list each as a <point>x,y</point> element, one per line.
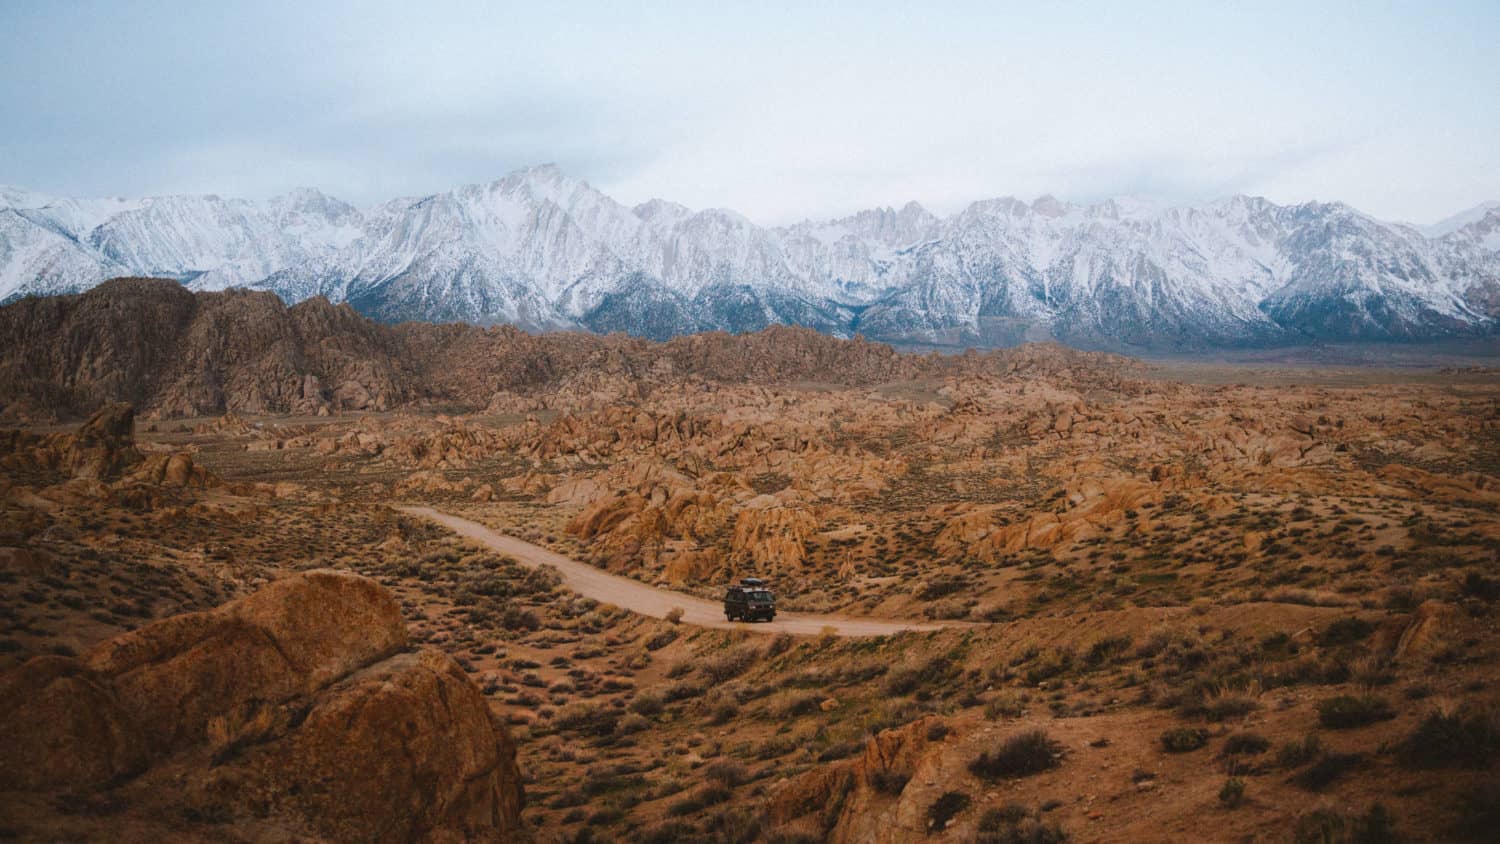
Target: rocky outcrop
<point>101,449</point>
<point>97,464</point>
<point>856,800</point>
<point>1430,630</point>
<point>297,710</point>
<point>774,538</point>
<point>170,352</point>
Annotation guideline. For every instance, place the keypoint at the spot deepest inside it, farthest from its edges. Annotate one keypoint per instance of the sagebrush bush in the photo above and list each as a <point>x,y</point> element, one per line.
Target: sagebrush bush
<point>888,781</point>
<point>910,679</point>
<point>647,703</point>
<point>1023,754</point>
<point>1183,739</point>
<point>1452,740</point>
<point>729,664</point>
<point>1233,792</point>
<point>1325,826</point>
<point>726,772</point>
<point>1295,754</point>
<point>1478,812</point>
<point>1013,824</point>
<point>1246,744</point>
<point>709,795</point>
<point>944,808</point>
<point>1329,767</point>
<point>1349,711</point>
<point>1345,631</point>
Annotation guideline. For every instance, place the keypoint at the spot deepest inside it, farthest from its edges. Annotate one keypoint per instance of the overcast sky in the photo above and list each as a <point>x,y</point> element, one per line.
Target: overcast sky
<point>776,111</point>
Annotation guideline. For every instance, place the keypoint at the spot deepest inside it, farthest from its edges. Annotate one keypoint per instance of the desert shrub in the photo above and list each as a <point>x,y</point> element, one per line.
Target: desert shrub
<point>708,795</point>
<point>780,644</point>
<point>1476,585</point>
<point>661,639</point>
<point>1107,650</point>
<point>1345,631</point>
<point>1013,824</point>
<point>1058,662</point>
<point>1326,826</point>
<point>1349,711</point>
<point>841,750</point>
<point>1328,768</point>
<point>733,826</point>
<point>647,703</point>
<point>1226,706</point>
<point>727,665</point>
<point>542,579</point>
<point>597,782</point>
<point>888,781</point>
<point>909,679</point>
<point>775,747</point>
<point>1023,754</point>
<point>633,723</point>
<point>587,719</point>
<point>683,691</point>
<point>945,808</point>
<point>1478,812</point>
<point>606,816</point>
<point>669,832</point>
<point>1154,644</point>
<point>1452,740</point>
<point>1233,792</point>
<point>1183,739</point>
<point>674,615</point>
<point>942,586</point>
<point>1294,754</point>
<point>798,705</point>
<point>1372,671</point>
<point>726,772</point>
<point>1246,744</point>
<point>993,819</point>
<point>721,707</point>
<point>1005,705</point>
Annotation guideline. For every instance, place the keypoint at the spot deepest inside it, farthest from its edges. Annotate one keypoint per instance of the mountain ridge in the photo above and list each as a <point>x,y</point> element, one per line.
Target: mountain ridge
<point>545,251</point>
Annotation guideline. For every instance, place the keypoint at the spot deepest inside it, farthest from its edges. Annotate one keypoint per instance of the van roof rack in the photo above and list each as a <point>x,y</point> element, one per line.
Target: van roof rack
<point>752,581</point>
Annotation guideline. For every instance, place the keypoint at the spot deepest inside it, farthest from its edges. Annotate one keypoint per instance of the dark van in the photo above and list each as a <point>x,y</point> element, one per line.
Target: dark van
<point>749,601</point>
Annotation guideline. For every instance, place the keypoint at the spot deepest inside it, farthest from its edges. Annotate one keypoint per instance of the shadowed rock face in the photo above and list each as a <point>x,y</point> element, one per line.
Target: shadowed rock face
<point>298,706</point>
<point>171,352</point>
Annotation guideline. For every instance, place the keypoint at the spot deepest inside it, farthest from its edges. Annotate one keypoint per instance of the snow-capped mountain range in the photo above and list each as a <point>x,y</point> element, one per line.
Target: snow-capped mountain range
<point>542,250</point>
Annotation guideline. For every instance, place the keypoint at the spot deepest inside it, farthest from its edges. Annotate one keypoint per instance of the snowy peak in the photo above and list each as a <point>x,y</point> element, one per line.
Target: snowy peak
<point>1460,220</point>
<point>542,249</point>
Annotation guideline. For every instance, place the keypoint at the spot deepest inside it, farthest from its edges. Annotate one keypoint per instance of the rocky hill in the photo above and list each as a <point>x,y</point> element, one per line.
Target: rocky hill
<point>542,250</point>
<point>173,352</point>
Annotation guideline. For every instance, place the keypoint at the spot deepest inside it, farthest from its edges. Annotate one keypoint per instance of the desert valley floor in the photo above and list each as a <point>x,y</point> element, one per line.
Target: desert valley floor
<point>1139,605</point>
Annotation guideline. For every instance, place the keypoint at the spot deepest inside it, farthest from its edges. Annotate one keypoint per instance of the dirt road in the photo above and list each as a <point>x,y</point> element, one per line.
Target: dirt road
<point>649,600</point>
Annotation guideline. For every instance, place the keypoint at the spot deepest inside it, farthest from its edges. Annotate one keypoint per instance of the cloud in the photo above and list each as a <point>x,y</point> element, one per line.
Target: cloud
<point>780,111</point>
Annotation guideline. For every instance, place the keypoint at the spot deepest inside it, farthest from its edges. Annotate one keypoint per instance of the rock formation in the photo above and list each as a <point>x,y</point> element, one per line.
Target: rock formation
<point>296,711</point>
<point>852,801</point>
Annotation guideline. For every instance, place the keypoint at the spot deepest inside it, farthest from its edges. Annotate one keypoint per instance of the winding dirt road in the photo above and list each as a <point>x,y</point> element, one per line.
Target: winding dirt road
<point>648,600</point>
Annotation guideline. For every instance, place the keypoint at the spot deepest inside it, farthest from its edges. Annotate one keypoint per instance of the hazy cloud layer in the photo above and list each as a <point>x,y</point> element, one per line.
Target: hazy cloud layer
<point>779,112</point>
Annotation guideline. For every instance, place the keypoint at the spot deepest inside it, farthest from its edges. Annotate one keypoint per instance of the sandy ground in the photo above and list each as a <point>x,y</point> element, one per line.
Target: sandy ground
<point>649,600</point>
